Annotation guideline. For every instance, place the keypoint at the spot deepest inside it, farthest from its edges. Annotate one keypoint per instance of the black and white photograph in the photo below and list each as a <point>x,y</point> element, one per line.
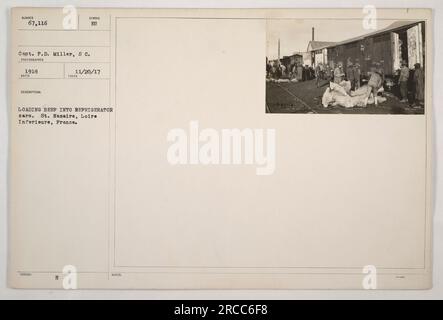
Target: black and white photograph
<point>345,66</point>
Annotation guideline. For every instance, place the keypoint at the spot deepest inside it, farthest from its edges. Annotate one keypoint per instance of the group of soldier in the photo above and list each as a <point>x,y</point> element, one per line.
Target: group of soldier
<point>352,73</point>
<point>413,79</point>
<point>408,80</point>
<point>298,71</point>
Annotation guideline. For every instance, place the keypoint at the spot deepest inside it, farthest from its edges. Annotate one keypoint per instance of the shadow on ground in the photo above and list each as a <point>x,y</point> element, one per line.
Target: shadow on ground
<point>305,97</point>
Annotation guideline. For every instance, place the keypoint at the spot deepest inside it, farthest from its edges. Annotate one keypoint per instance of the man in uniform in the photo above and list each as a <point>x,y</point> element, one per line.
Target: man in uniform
<point>350,73</point>
<point>419,80</point>
<point>338,73</point>
<point>403,82</point>
<point>317,74</point>
<point>357,75</point>
<point>375,82</point>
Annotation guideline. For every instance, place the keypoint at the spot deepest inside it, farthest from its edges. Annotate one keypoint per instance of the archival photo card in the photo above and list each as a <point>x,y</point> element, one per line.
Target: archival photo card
<point>151,149</point>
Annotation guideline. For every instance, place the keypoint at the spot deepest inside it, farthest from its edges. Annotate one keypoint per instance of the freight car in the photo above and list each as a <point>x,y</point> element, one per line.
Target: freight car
<point>388,47</point>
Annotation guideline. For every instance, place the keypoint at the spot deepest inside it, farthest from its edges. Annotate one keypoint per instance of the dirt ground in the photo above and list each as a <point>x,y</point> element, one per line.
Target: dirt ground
<point>305,97</point>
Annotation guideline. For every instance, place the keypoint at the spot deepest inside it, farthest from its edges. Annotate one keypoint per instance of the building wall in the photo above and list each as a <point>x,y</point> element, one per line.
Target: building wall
<point>290,60</point>
<point>321,57</point>
<point>415,46</point>
<point>382,52</point>
<point>383,49</point>
<point>307,58</point>
<point>366,51</point>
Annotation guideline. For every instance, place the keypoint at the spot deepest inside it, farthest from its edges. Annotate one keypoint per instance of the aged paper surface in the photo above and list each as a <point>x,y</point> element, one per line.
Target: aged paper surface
<point>121,167</point>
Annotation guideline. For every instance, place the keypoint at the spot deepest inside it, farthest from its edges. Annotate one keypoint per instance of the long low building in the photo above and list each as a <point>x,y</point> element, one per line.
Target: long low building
<point>317,51</point>
<point>295,58</point>
<point>401,41</point>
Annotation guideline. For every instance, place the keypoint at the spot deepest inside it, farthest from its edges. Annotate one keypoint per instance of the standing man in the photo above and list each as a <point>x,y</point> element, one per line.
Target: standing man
<point>283,70</point>
<point>311,73</point>
<point>375,82</point>
<point>403,82</point>
<point>350,73</point>
<point>338,73</point>
<point>381,69</point>
<point>299,72</point>
<point>328,73</point>
<point>317,74</point>
<point>294,70</point>
<point>357,75</point>
<point>419,80</point>
<point>268,69</point>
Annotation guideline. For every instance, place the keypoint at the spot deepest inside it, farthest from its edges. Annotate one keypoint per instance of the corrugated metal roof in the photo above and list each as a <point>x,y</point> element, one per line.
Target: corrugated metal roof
<point>392,27</point>
<point>317,45</point>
